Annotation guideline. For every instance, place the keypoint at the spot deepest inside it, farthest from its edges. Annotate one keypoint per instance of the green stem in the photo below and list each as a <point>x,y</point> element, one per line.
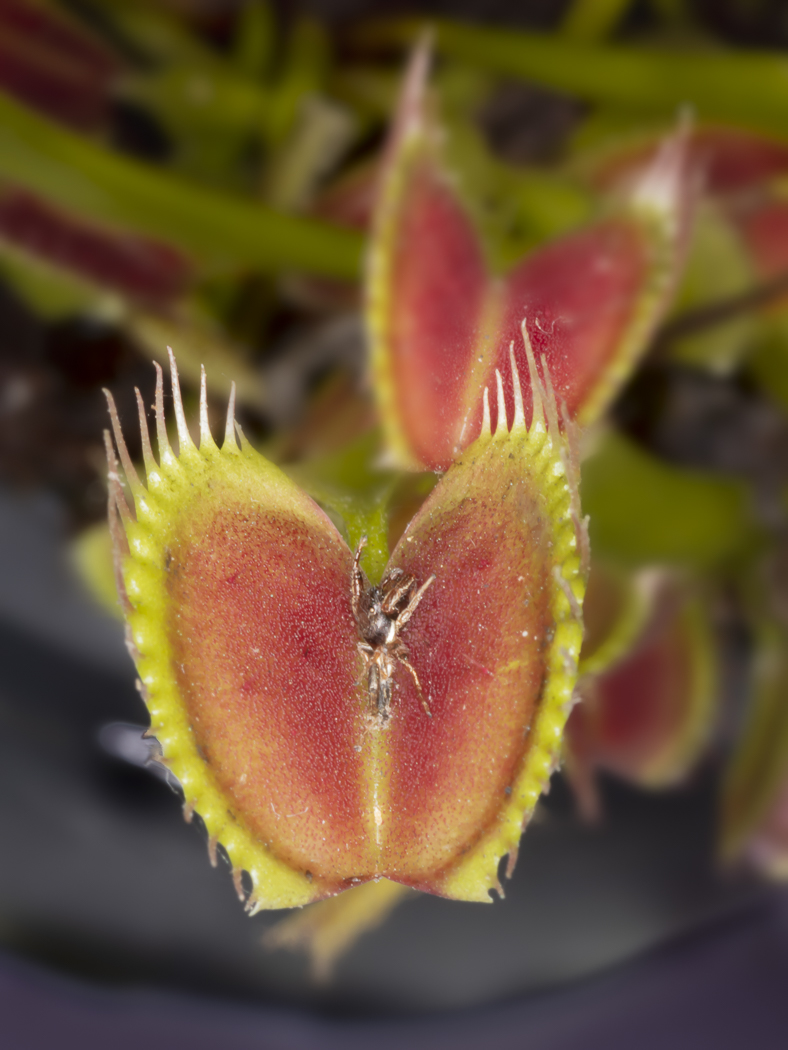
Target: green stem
<point>593,19</point>
<point>738,86</point>
<point>223,230</point>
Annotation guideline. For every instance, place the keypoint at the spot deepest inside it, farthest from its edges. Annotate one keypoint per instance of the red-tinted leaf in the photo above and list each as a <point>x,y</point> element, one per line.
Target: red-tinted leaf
<point>478,654</point>
<point>54,64</point>
<point>648,717</point>
<point>437,296</point>
<point>144,270</point>
<point>426,290</point>
<point>441,324</point>
<point>52,28</point>
<point>578,297</point>
<point>239,597</point>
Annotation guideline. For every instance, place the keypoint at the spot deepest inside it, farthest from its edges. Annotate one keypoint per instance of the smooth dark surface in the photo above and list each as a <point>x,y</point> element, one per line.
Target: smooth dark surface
<point>724,988</point>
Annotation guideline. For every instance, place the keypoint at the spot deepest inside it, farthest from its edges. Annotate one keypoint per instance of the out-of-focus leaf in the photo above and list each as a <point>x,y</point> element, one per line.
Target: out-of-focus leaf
<point>649,717</point>
<point>617,605</point>
<point>729,160</point>
<point>593,19</point>
<point>327,929</point>
<point>255,40</point>
<point>737,86</point>
<point>739,239</point>
<point>91,556</point>
<point>768,364</point>
<point>50,291</point>
<point>322,133</point>
<point>154,35</point>
<point>305,67</point>
<point>141,269</point>
<point>754,786</point>
<point>210,118</point>
<point>441,324</point>
<point>55,64</point>
<point>645,512</point>
<point>224,231</point>
<point>718,268</point>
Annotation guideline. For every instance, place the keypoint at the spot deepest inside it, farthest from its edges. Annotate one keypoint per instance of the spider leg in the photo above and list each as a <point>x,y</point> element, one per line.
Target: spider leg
<point>410,608</point>
<point>394,589</point>
<point>357,581</point>
<point>417,683</point>
<point>379,688</point>
<point>366,651</point>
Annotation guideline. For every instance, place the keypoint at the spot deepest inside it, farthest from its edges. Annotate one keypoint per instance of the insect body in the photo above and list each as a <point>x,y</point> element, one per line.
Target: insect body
<point>381,612</point>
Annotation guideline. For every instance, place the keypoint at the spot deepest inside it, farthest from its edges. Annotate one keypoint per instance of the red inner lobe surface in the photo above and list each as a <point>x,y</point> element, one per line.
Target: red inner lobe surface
<point>731,160</point>
<point>264,648</point>
<point>481,674</point>
<point>136,266</point>
<point>638,707</point>
<point>763,226</point>
<point>438,284</point>
<point>577,296</point>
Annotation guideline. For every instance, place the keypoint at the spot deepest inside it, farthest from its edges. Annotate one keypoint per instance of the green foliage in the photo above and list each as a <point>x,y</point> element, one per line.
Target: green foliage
<point>644,511</point>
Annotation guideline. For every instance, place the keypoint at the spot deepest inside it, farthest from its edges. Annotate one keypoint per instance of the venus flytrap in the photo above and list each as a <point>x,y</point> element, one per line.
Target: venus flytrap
<point>441,322</point>
<point>239,597</point>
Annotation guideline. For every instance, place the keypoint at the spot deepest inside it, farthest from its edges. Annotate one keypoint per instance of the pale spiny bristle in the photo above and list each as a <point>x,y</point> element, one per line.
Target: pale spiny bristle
<point>550,404</point>
<point>664,182</point>
<point>545,403</point>
<point>212,854</point>
<point>518,422</point>
<point>238,884</point>
<point>161,422</point>
<point>537,399</point>
<point>128,467</point>
<point>117,497</point>
<point>574,604</point>
<point>206,437</point>
<point>411,106</point>
<point>501,429</point>
<point>486,413</point>
<point>229,429</point>
<point>572,469</point>
<point>118,514</point>
<point>570,460</point>
<point>511,862</point>
<point>151,466</point>
<point>184,438</point>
